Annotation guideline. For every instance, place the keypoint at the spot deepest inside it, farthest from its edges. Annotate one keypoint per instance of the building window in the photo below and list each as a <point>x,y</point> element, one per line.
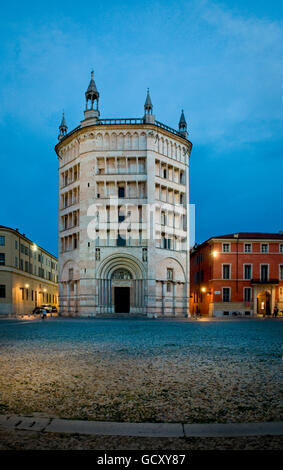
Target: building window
<point>121,191</point>
<point>163,218</point>
<point>2,259</point>
<point>281,248</point>
<point>97,254</point>
<point>264,272</point>
<point>121,216</point>
<point>226,294</point>
<point>2,291</point>
<point>247,271</point>
<point>168,287</point>
<point>226,247</point>
<point>16,244</point>
<point>248,247</point>
<point>264,248</point>
<point>281,272</point>
<point>247,294</point>
<point>121,241</point>
<point>226,271</point>
<point>144,254</point>
<point>163,241</point>
<point>2,240</point>
<point>169,274</point>
<point>16,261</point>
<point>40,272</point>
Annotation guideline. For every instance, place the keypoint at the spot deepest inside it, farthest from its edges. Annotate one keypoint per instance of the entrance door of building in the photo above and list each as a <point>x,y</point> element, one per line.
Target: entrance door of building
<point>263,303</point>
<point>122,299</point>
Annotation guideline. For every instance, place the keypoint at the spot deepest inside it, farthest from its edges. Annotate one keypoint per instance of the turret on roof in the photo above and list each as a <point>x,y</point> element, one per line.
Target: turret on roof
<point>63,128</point>
<point>148,104</point>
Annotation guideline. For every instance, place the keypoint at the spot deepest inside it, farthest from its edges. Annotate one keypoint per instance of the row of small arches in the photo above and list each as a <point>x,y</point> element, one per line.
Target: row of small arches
<point>126,141</point>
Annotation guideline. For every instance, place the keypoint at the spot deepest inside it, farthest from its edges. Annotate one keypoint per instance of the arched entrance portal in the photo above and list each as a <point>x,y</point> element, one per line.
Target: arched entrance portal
<point>121,280</point>
<point>263,303</point>
<point>121,285</point>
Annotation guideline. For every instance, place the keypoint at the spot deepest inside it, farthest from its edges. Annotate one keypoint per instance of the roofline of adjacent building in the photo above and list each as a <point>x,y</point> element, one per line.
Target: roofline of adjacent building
<point>16,232</point>
<point>116,123</point>
<point>258,236</point>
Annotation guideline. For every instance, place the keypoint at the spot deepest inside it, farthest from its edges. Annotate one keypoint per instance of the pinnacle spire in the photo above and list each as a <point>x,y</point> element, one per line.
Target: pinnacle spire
<point>63,127</point>
<point>92,93</point>
<point>183,125</point>
<point>63,121</point>
<point>148,104</point>
<point>182,121</point>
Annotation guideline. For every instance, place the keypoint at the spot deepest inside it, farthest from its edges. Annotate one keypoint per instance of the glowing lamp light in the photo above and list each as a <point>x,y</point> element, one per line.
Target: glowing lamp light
<point>26,286</point>
<point>203,289</point>
<point>34,247</point>
<point>214,253</point>
<point>44,290</point>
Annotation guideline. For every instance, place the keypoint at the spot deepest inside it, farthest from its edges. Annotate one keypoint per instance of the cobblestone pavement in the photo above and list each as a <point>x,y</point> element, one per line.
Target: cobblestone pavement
<point>141,370</point>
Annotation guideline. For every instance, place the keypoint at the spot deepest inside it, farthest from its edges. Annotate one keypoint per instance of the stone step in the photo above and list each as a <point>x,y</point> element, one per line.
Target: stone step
<point>121,315</point>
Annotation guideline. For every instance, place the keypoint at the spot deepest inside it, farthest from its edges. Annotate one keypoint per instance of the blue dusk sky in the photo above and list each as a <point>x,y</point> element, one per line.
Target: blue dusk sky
<point>222,61</point>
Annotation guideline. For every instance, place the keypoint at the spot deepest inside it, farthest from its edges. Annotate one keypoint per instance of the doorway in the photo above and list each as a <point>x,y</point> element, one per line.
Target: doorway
<point>263,303</point>
<point>122,299</point>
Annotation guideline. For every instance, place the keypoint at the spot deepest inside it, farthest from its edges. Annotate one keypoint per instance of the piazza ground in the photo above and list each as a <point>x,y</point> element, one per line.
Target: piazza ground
<point>142,370</point>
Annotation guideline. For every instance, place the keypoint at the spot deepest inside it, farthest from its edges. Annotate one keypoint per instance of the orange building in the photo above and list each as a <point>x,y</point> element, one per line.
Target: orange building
<point>237,274</point>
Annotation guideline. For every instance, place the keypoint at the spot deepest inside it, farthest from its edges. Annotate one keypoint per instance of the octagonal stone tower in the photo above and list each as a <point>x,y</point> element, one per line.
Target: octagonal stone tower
<point>123,215</point>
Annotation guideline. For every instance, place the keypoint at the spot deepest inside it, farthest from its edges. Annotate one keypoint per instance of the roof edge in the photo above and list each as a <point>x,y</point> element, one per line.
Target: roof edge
<point>16,232</point>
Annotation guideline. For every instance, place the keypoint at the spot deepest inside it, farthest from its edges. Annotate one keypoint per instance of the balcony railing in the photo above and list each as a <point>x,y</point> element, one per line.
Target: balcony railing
<point>119,121</point>
<point>123,121</point>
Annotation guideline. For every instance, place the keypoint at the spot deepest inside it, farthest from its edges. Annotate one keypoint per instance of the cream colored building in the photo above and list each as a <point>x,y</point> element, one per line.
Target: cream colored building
<point>28,274</point>
<point>123,215</point>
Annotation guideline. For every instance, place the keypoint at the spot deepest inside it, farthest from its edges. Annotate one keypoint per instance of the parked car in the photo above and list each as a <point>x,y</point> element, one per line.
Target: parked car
<point>38,310</point>
<point>47,307</point>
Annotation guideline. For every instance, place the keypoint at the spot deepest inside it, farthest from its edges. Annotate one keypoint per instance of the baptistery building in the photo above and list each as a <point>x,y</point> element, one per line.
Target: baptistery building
<point>123,215</point>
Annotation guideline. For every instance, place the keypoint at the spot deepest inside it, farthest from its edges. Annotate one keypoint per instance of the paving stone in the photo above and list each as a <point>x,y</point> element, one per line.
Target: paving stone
<point>116,429</point>
<point>3,419</point>
<point>14,420</point>
<point>101,428</point>
<point>233,429</point>
<point>32,424</point>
